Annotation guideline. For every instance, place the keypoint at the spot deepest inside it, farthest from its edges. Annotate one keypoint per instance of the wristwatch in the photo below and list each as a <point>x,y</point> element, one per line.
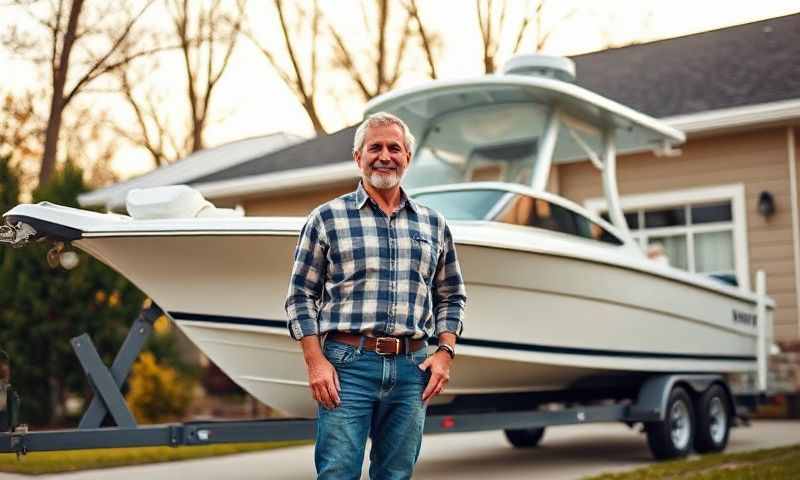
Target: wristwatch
<point>447,348</point>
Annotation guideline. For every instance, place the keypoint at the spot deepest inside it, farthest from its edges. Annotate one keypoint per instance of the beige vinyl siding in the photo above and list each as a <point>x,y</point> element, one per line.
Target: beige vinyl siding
<point>758,160</point>
<point>294,203</point>
<point>794,331</point>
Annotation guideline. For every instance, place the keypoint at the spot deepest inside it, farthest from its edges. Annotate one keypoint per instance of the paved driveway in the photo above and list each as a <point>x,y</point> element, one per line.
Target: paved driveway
<point>566,453</point>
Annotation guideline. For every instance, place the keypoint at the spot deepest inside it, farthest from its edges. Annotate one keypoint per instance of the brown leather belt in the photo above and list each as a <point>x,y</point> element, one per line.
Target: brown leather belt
<point>379,345</point>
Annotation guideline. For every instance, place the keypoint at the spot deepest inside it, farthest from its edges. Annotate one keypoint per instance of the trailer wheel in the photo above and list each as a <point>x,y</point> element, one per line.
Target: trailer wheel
<point>673,436</point>
<point>713,420</point>
<point>525,438</point>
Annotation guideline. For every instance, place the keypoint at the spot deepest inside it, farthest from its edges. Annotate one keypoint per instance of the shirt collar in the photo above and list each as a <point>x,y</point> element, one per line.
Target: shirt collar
<point>362,196</point>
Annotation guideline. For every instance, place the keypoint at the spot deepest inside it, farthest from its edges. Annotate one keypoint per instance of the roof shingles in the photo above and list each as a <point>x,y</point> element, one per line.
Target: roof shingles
<point>747,64</point>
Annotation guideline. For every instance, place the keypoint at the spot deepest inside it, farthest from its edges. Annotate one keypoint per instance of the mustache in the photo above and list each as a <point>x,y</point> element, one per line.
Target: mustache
<point>382,164</point>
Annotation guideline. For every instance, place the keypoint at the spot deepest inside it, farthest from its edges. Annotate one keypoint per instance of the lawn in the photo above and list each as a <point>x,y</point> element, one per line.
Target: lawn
<point>37,463</point>
<point>774,464</point>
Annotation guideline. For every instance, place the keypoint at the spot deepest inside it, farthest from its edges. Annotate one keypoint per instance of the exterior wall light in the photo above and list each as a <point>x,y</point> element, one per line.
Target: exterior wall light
<point>766,204</point>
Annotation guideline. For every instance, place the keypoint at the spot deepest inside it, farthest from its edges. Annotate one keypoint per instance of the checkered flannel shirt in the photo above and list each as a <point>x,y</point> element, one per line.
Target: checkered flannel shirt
<point>357,269</point>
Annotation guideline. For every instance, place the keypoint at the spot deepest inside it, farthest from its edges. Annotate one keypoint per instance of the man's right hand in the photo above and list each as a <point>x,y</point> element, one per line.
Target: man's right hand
<point>322,377</point>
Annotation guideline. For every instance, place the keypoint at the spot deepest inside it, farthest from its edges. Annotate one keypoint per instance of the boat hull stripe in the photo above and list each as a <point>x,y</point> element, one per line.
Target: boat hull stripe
<point>525,347</point>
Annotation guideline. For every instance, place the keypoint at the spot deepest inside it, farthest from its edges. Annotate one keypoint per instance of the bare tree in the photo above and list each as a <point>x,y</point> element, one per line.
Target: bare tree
<point>205,35</point>
<point>71,32</point>
<point>382,69</point>
<point>152,129</point>
<point>201,29</point>
<point>428,40</point>
<point>493,21</point>
<point>20,128</point>
<point>302,74</point>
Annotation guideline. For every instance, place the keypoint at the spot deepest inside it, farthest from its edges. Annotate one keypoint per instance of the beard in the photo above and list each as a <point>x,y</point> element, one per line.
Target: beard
<point>382,181</point>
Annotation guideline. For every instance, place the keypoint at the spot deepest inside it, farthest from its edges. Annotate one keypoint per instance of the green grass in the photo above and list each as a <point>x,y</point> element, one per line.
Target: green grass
<point>37,463</point>
<point>772,464</point>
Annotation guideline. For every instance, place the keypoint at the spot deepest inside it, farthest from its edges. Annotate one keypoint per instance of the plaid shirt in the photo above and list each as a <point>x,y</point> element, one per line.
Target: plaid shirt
<point>357,269</point>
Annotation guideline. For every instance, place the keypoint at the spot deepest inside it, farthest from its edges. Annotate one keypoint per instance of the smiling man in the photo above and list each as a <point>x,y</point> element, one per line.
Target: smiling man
<point>375,275</point>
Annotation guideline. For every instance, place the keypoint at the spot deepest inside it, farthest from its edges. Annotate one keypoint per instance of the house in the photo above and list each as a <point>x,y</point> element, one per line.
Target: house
<point>728,204</point>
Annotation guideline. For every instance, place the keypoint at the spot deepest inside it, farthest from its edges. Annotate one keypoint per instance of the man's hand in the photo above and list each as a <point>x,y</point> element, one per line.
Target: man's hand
<point>439,363</point>
<point>322,377</point>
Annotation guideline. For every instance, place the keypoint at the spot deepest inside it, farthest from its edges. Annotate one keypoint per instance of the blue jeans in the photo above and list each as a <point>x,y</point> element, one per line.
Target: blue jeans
<point>380,396</point>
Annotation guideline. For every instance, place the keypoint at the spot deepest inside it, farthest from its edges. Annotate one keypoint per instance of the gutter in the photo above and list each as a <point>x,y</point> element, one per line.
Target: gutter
<point>749,115</point>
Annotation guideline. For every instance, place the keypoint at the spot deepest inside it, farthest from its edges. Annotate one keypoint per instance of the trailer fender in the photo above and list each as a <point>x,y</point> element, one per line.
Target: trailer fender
<point>651,403</point>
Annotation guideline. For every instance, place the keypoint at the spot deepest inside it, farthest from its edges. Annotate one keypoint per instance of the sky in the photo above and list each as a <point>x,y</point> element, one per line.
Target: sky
<point>251,100</point>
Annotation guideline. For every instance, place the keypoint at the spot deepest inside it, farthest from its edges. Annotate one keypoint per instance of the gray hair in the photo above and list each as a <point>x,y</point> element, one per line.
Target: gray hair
<point>382,119</point>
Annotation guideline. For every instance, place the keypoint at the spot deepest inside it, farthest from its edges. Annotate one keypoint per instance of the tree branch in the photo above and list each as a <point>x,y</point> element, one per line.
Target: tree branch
<point>413,12</point>
<point>347,62</point>
<point>98,67</point>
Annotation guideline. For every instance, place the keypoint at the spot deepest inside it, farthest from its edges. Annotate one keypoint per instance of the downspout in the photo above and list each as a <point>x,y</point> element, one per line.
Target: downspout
<point>790,143</point>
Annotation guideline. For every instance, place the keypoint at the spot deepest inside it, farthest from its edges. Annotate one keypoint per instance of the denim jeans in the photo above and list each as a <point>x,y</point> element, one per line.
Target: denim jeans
<point>381,396</point>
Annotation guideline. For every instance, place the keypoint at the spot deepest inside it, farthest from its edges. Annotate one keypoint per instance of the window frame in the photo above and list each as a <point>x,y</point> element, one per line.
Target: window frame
<point>734,193</point>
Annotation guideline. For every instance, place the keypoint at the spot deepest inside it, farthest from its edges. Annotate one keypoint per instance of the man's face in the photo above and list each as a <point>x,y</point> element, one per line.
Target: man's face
<point>383,159</point>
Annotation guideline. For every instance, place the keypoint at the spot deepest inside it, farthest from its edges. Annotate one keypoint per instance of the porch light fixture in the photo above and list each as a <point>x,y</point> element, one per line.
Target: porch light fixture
<point>766,204</point>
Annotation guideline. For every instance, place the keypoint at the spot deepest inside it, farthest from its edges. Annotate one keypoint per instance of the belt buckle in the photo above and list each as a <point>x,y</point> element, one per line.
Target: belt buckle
<point>379,342</point>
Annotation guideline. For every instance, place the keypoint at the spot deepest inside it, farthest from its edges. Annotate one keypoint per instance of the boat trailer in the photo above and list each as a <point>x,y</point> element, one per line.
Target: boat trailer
<point>520,415</point>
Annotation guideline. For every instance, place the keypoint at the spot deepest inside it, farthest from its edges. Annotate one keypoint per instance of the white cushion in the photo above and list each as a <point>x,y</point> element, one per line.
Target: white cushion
<point>174,201</point>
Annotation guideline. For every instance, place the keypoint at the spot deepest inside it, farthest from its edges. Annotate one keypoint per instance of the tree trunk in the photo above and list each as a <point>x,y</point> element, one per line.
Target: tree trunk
<point>57,104</point>
<point>311,110</point>
<point>51,138</point>
<point>197,134</point>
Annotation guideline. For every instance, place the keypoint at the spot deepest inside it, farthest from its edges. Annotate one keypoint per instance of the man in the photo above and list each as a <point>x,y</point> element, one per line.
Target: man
<point>375,274</point>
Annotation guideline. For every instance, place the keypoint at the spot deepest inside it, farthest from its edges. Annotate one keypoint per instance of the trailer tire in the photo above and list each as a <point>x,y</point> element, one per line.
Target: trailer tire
<point>713,420</point>
<point>525,438</point>
<point>673,436</point>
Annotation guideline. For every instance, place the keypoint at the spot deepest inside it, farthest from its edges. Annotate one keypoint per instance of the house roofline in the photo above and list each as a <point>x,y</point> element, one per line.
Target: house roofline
<point>693,123</point>
<point>193,166</point>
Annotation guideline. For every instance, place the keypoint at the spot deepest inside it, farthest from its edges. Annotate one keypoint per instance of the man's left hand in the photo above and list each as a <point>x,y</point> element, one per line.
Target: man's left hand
<point>439,363</point>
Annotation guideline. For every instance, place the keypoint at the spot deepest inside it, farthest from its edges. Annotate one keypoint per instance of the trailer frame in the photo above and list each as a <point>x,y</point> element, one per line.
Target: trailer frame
<point>647,406</point>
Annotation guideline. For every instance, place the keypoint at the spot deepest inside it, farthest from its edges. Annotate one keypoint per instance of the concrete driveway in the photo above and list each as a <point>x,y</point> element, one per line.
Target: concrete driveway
<point>565,453</point>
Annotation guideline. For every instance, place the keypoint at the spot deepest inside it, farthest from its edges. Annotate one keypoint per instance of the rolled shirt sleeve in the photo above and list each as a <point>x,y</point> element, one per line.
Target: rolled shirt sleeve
<point>449,293</point>
<point>307,280</point>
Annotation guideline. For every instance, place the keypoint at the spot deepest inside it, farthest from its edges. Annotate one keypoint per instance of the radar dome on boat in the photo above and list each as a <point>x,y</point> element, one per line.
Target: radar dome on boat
<point>560,68</point>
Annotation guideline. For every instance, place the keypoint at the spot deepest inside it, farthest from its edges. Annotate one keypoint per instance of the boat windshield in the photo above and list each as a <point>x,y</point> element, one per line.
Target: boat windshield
<point>516,209</point>
<point>479,144</point>
<point>492,143</point>
<point>462,204</point>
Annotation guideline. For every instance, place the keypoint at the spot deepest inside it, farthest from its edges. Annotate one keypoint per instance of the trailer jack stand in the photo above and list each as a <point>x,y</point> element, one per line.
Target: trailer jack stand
<point>105,382</point>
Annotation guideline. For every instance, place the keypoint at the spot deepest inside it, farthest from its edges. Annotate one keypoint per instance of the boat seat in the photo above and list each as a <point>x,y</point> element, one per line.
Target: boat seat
<point>174,201</point>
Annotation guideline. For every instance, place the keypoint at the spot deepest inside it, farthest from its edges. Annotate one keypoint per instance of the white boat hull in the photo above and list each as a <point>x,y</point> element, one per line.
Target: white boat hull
<point>536,321</point>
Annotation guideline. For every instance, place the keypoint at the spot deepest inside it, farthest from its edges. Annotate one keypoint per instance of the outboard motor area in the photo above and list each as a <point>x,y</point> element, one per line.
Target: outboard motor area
<point>174,201</point>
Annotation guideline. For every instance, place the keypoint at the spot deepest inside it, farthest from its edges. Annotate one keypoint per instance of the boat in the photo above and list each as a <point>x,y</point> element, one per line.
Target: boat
<point>557,294</point>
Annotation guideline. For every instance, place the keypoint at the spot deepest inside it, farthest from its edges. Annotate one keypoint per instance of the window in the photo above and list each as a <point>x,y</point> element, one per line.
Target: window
<point>695,237</point>
<point>701,231</point>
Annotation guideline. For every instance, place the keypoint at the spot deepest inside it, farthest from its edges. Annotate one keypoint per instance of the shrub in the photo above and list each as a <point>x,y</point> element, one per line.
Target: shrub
<point>156,393</point>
